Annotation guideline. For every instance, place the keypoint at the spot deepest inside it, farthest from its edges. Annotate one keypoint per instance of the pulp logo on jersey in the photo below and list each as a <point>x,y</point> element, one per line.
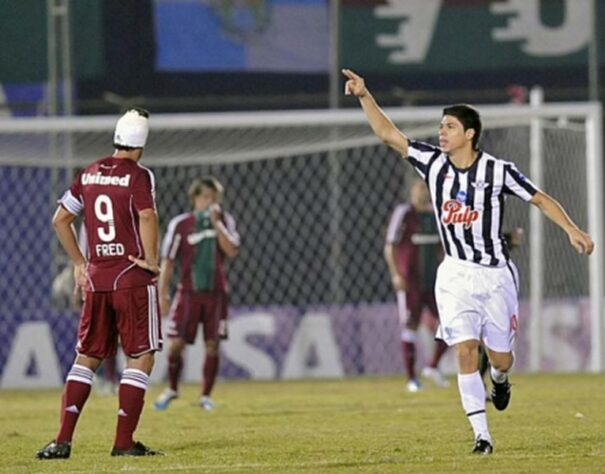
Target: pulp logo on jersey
<point>456,213</point>
<point>98,178</point>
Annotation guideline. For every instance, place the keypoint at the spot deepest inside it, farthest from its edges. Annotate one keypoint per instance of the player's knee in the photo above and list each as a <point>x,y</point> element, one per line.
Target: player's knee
<point>176,346</point>
<point>144,362</point>
<point>212,347</point>
<point>502,361</point>
<point>467,354</point>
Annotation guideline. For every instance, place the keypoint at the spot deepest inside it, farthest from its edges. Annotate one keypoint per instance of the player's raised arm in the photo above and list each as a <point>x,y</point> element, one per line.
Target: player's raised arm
<point>579,239</point>
<point>381,124</point>
<point>228,238</point>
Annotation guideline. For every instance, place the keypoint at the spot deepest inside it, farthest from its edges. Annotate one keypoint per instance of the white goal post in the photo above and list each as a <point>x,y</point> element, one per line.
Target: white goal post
<point>312,191</point>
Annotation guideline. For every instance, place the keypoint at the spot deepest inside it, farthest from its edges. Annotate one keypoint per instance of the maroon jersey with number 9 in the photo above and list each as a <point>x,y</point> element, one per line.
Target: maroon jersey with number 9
<point>111,192</point>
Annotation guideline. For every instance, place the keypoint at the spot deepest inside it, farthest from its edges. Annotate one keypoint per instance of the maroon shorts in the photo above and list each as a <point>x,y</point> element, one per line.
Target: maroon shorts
<point>190,308</point>
<point>415,301</point>
<point>131,313</point>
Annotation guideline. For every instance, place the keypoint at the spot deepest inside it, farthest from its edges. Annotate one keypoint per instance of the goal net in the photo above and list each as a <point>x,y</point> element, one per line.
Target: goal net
<point>311,192</point>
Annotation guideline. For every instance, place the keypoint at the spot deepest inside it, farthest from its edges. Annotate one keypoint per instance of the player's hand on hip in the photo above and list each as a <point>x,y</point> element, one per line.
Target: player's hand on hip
<point>581,241</point>
<point>355,84</point>
<point>145,265</point>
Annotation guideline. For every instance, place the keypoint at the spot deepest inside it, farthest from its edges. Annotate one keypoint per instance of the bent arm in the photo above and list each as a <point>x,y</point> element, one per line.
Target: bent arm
<point>63,223</point>
<point>227,237</point>
<point>580,240</point>
<point>148,228</point>
<point>227,242</point>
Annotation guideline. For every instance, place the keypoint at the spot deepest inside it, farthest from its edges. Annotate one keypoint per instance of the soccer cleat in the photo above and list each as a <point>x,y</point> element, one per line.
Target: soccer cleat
<point>483,446</point>
<point>413,386</point>
<point>54,450</point>
<point>206,403</point>
<point>501,394</point>
<point>139,449</point>
<point>165,398</point>
<point>435,376</point>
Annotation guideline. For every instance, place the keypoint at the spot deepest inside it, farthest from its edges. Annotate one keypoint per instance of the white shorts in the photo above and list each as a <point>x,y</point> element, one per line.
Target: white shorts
<point>477,302</point>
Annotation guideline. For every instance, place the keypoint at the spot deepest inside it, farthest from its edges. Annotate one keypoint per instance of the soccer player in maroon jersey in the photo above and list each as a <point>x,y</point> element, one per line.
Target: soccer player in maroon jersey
<point>477,283</point>
<point>413,253</point>
<point>116,196</point>
<point>199,241</point>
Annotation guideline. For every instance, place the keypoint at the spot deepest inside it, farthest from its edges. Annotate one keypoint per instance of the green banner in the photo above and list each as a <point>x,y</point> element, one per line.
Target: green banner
<point>466,35</point>
<point>23,40</point>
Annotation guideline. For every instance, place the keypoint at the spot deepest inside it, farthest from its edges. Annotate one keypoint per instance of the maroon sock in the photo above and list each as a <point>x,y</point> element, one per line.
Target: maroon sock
<point>210,371</point>
<point>175,366</point>
<point>440,348</point>
<point>409,358</point>
<point>132,398</point>
<point>76,391</point>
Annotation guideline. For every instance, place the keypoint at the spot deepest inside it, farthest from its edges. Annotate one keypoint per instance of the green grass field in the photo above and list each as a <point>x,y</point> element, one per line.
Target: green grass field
<point>555,423</point>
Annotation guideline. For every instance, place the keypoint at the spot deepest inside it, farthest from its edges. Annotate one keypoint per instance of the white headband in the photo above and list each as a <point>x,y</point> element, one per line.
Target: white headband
<point>131,130</point>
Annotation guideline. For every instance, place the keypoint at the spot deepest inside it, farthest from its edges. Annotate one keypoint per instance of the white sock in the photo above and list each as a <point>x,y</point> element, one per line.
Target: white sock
<point>497,376</point>
<point>472,395</point>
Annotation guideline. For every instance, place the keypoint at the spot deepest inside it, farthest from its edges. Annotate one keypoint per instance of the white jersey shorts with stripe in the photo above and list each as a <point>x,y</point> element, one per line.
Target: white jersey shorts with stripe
<point>477,302</point>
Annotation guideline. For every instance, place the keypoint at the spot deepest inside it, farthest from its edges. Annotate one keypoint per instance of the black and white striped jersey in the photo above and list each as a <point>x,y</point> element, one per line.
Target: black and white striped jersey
<point>469,203</point>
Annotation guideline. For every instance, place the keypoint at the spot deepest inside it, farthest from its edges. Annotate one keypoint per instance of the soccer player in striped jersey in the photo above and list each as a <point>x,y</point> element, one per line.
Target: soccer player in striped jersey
<point>199,241</point>
<point>413,253</point>
<point>477,283</point>
<point>116,196</point>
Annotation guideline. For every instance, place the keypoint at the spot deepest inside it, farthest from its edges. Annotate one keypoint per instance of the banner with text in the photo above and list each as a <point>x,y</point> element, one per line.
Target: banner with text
<point>36,350</point>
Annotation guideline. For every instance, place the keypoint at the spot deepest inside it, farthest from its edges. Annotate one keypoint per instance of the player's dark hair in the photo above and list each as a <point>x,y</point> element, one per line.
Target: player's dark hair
<point>469,118</point>
<point>209,182</point>
<point>142,112</point>
<point>125,148</point>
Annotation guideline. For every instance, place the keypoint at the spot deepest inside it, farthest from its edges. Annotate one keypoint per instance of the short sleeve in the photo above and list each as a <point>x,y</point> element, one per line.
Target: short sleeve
<point>72,198</point>
<point>144,190</point>
<point>517,184</point>
<point>172,240</point>
<point>231,227</point>
<point>420,155</point>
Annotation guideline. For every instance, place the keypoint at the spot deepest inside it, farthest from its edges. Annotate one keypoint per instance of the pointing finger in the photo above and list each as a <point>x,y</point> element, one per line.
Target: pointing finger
<point>350,74</point>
